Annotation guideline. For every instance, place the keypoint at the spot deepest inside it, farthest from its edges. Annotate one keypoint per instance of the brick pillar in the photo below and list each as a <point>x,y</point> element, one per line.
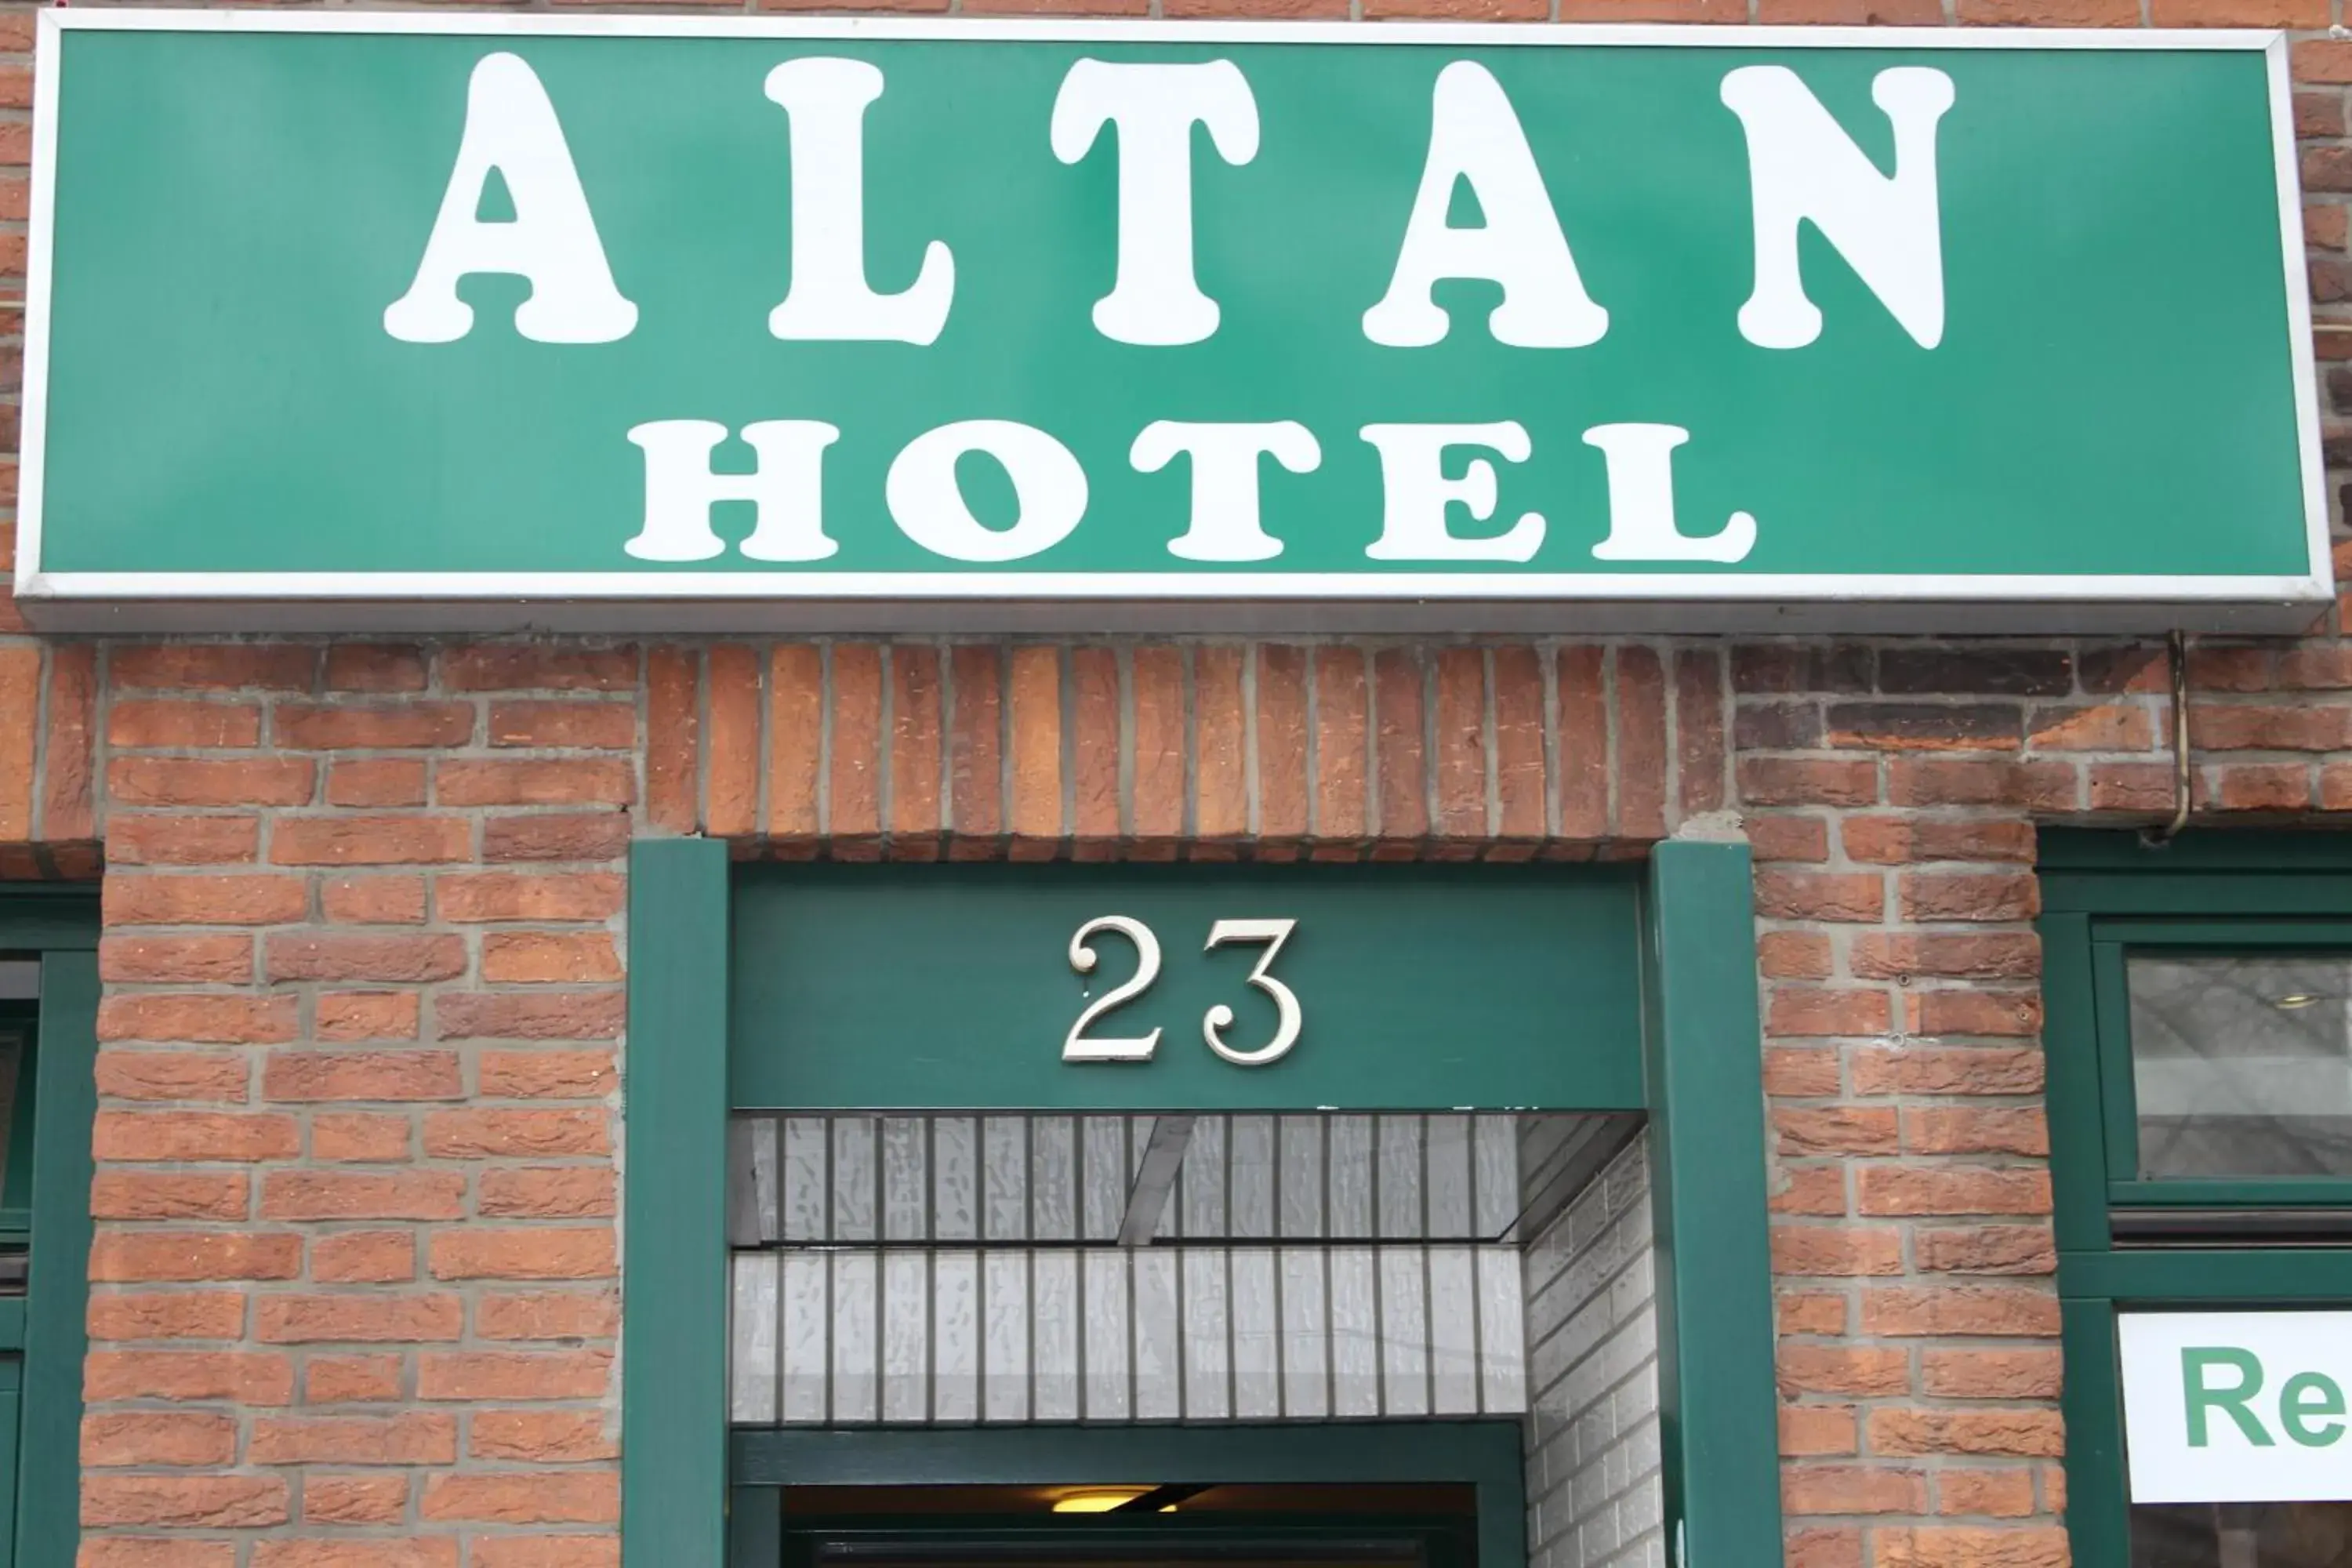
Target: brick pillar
<point>1890,810</point>
<point>354,1292</point>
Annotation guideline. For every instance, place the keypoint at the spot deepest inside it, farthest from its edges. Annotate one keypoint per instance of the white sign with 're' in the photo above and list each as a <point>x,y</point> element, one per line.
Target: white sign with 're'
<point>2238,1407</point>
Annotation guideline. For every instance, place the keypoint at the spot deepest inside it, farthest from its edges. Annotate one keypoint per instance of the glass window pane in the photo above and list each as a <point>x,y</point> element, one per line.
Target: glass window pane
<point>2242,1065</point>
<point>2241,1535</point>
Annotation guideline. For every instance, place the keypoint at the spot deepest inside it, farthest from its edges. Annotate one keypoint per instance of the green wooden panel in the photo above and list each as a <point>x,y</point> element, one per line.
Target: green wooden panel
<point>1441,1541</point>
<point>755,1527</point>
<point>12,1324</point>
<point>2242,1276</point>
<point>951,987</point>
<point>2302,897</point>
<point>673,1323</point>
<point>12,1402</point>
<point>57,1290</point>
<point>38,918</point>
<point>2228,935</point>
<point>2070,1041</point>
<point>2098,1513</point>
<point>1503,1510</point>
<point>2309,1192</point>
<point>2316,896</point>
<point>2064,853</point>
<point>1485,1453</point>
<point>1704,1054</point>
<point>2111,1042</point>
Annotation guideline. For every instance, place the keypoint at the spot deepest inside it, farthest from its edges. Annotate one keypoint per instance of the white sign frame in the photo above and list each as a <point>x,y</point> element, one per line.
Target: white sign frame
<point>1251,603</point>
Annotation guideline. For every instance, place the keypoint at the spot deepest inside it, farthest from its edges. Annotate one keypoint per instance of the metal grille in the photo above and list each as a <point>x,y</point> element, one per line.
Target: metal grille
<point>946,1270</point>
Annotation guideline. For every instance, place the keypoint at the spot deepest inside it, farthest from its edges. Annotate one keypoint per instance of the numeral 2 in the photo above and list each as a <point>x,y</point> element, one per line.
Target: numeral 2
<point>1076,1047</point>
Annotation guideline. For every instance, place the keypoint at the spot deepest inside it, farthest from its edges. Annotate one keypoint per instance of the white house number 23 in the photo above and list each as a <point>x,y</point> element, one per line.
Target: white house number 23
<point>1081,1047</point>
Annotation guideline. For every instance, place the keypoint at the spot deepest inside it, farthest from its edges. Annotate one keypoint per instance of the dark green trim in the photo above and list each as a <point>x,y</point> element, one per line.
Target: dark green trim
<point>2110,1041</point>
<point>2098,1513</point>
<point>12,1408</point>
<point>37,917</point>
<point>2223,935</point>
<point>1337,1541</point>
<point>2286,1192</point>
<point>2071,1090</point>
<point>1503,1506</point>
<point>755,1527</point>
<point>2197,852</point>
<point>57,1289</point>
<point>1480,1452</point>
<point>2215,896</point>
<point>1718,1407</point>
<point>2249,1277</point>
<point>673,1278</point>
<point>1486,1454</point>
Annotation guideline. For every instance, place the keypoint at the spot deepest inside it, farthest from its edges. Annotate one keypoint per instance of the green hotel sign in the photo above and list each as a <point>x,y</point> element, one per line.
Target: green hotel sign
<point>503,320</point>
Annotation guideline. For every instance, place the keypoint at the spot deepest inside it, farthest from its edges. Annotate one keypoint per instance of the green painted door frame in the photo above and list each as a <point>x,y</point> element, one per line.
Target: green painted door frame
<point>1702,1085</point>
<point>44,1206</point>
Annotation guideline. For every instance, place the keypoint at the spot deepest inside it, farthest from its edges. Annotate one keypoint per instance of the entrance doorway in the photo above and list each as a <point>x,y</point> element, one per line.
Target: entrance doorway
<point>1000,1272</point>
<point>1171,1182</point>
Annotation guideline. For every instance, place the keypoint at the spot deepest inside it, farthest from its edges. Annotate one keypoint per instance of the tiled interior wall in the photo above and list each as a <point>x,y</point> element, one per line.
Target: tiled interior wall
<point>1594,1497</point>
<point>946,1270</point>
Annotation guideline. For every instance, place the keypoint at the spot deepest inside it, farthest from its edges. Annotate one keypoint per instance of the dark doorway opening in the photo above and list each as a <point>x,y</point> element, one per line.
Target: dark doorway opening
<point>1367,1494</point>
<point>1131,1523</point>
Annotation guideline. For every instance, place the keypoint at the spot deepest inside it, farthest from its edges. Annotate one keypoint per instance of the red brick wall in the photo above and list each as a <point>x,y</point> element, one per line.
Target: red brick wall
<point>353,1299</point>
<point>354,1276</point>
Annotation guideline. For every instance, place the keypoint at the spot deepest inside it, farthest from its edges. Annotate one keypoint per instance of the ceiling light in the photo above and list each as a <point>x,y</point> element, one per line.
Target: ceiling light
<point>2295,1002</point>
<point>1097,1499</point>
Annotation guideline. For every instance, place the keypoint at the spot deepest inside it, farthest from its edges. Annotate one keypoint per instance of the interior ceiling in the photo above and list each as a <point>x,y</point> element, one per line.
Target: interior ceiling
<point>1041,1179</point>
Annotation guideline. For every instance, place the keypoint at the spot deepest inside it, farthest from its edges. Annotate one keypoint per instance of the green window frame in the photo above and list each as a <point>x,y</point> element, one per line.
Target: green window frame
<point>45,1209</point>
<point>2103,894</point>
<point>1703,1068</point>
<point>2112,939</point>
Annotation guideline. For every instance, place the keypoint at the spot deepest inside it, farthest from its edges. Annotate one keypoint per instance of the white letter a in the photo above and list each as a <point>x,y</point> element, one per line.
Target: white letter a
<point>551,240</point>
<point>1474,135</point>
